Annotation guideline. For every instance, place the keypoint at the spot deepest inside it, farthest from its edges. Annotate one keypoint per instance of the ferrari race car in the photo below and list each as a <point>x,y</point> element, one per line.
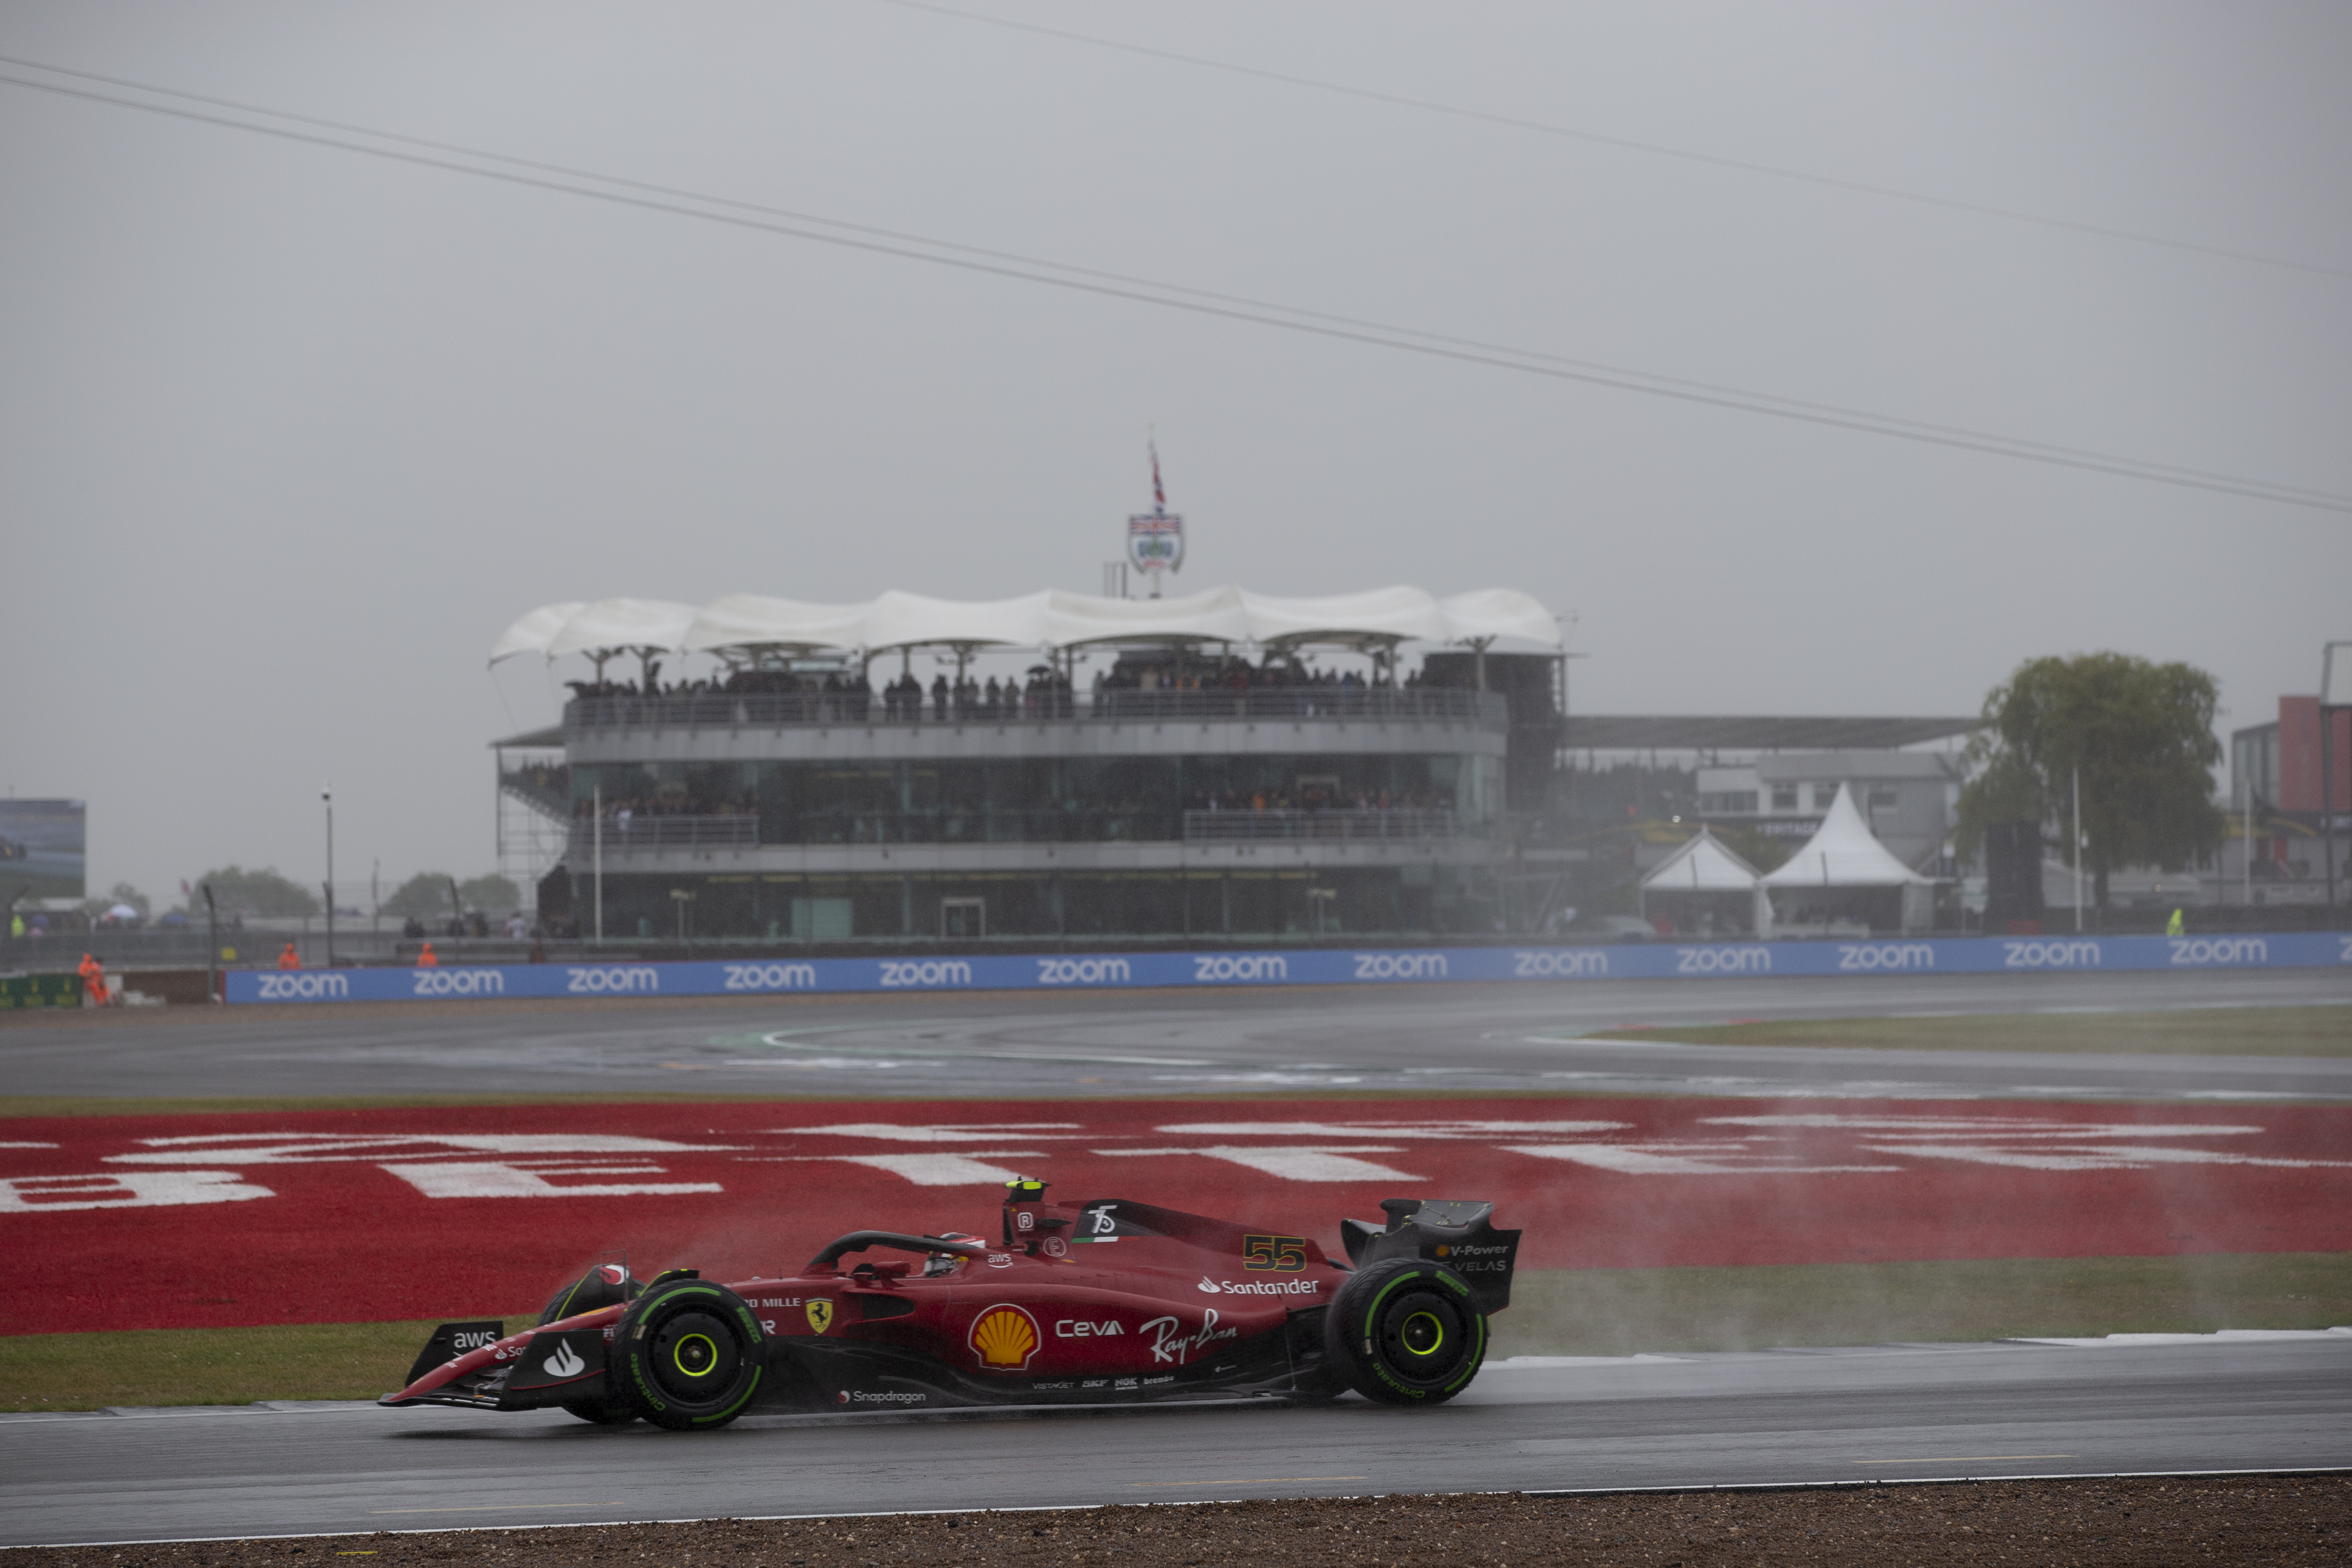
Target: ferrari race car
<point>1105,1301</point>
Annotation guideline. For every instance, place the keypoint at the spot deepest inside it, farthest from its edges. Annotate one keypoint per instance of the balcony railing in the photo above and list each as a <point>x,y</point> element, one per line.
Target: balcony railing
<point>637,832</point>
<point>1045,824</point>
<point>1240,826</point>
<point>771,710</point>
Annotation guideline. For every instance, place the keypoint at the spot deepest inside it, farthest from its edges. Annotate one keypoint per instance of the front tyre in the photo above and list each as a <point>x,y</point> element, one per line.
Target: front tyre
<point>688,1355</point>
<point>1406,1332</point>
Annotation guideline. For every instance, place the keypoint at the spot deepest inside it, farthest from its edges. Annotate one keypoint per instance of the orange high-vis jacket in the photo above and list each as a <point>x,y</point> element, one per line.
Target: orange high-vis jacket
<point>289,959</point>
<point>426,959</point>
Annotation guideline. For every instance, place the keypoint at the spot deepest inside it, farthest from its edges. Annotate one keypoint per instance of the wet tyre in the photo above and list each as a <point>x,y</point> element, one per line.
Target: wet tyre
<point>688,1355</point>
<point>1406,1332</point>
<point>602,1413</point>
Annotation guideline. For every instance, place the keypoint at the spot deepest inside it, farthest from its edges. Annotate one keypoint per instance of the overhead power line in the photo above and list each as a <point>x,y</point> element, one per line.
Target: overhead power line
<point>678,201</point>
<point>1622,143</point>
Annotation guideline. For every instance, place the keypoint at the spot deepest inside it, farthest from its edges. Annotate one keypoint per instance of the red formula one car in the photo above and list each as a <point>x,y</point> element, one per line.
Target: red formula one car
<point>1105,1301</point>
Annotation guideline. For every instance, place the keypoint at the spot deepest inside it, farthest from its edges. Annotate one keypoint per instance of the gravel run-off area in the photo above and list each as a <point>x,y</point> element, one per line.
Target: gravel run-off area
<point>2142,1523</point>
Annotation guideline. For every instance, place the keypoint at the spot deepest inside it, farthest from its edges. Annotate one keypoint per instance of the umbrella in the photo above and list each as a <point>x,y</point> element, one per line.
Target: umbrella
<point>122,913</point>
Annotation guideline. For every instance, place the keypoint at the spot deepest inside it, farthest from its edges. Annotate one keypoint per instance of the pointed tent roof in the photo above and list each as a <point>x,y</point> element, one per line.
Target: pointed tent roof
<point>1844,853</point>
<point>1703,865</point>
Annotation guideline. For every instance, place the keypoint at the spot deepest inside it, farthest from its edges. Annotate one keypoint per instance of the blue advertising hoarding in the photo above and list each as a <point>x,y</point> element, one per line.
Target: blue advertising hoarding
<point>1384,966</point>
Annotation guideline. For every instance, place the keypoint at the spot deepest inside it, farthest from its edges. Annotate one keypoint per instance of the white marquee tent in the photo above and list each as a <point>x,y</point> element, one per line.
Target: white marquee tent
<point>1844,855</point>
<point>1047,620</point>
<point>1705,865</point>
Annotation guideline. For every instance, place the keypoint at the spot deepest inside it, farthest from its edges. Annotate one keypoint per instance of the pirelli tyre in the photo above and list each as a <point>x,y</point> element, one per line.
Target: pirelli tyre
<point>1406,1332</point>
<point>688,1355</point>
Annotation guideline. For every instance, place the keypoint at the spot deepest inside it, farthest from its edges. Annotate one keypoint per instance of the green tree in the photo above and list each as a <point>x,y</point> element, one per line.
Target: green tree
<point>493,895</point>
<point>425,896</point>
<point>2140,734</point>
<point>263,892</point>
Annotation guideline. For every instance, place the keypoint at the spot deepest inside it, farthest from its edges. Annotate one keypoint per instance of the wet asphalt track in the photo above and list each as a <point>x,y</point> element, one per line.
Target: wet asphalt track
<point>1902,1412</point>
<point>1509,1039</point>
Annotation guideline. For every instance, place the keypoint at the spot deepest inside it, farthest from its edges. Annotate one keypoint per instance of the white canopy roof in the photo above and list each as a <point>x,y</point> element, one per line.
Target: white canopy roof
<point>1044,620</point>
<point>1701,866</point>
<point>1844,853</point>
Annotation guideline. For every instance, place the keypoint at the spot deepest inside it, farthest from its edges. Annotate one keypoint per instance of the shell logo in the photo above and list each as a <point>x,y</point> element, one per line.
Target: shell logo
<point>1005,1337</point>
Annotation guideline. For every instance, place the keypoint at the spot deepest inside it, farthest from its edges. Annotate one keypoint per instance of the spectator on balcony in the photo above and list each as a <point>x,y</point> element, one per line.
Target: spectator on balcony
<point>939,699</point>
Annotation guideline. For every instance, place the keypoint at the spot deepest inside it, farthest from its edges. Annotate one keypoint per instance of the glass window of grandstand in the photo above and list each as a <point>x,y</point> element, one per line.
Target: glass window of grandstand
<point>1784,797</point>
<point>1884,798</point>
<point>1824,796</point>
<point>1042,799</point>
<point>1727,802</point>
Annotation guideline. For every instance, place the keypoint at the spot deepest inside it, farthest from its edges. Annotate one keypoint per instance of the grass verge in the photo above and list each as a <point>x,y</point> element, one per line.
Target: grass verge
<point>1624,1311</point>
<point>1558,1311</point>
<point>2324,1031</point>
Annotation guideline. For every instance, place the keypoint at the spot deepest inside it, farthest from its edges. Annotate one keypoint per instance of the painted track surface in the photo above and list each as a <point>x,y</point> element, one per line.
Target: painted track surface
<point>270,1218</point>
<point>1515,1038</point>
<point>1893,1412</point>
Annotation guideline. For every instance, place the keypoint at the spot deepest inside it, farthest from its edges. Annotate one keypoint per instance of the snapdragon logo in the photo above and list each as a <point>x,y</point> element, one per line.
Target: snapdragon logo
<point>925,972</point>
<point>1563,963</point>
<point>1400,965</point>
<point>296,986</point>
<point>1873,955</point>
<point>771,976</point>
<point>612,977</point>
<point>2049,955</point>
<point>457,982</point>
<point>1725,960</point>
<point>2219,950</point>
<point>1240,966</point>
<point>1084,971</point>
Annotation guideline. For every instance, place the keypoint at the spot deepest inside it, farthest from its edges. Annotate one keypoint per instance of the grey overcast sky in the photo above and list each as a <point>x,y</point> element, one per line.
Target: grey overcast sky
<point>289,433</point>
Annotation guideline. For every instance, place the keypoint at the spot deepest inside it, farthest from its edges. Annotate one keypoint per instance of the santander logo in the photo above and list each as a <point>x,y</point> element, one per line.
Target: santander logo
<point>1208,1286</point>
<point>565,1363</point>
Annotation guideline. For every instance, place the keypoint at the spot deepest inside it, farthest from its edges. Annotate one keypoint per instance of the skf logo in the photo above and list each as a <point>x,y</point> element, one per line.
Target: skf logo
<point>1004,1338</point>
<point>820,1314</point>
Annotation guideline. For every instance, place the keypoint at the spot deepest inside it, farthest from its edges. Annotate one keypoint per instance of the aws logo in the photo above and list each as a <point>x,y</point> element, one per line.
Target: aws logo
<point>1004,1338</point>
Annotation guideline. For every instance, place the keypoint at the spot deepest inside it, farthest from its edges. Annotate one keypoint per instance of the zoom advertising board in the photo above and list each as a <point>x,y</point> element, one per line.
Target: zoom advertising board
<point>1384,966</point>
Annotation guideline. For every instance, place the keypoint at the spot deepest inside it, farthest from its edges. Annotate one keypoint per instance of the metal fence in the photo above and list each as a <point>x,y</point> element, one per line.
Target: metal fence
<point>637,832</point>
<point>771,710</point>
<point>1228,827</point>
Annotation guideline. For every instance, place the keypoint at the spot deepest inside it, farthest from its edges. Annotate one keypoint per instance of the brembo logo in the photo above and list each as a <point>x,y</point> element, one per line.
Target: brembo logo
<point>297,987</point>
<point>613,977</point>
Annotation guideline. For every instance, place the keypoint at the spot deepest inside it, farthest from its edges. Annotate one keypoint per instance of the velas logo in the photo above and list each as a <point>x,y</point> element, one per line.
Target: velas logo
<point>1004,1338</point>
<point>820,1314</point>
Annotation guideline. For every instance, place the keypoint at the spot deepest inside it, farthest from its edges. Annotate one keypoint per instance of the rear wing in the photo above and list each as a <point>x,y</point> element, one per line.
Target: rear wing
<point>1457,1233</point>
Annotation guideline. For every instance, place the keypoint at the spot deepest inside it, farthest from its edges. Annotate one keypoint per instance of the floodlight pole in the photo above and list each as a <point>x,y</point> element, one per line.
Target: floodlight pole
<point>327,796</point>
<point>2078,850</point>
<point>212,944</point>
<point>596,857</point>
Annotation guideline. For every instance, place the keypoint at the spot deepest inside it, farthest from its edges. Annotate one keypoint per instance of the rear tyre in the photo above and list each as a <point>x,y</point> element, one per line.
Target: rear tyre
<point>690,1355</point>
<point>1406,1332</point>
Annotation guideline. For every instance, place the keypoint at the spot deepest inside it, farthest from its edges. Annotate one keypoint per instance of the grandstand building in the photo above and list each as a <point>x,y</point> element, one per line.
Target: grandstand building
<point>1224,765</point>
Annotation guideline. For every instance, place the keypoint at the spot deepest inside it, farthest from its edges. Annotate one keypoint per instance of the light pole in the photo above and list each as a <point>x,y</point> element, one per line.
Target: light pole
<point>327,796</point>
<point>684,897</point>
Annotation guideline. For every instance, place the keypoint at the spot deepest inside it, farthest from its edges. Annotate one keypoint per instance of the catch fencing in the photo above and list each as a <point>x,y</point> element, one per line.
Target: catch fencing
<point>1041,972</point>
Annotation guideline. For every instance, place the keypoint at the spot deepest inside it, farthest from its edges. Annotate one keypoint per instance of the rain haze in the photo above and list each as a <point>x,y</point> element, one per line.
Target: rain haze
<point>293,430</point>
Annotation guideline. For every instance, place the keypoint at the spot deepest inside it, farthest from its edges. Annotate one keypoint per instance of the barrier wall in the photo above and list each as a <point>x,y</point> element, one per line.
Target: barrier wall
<point>1633,961</point>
